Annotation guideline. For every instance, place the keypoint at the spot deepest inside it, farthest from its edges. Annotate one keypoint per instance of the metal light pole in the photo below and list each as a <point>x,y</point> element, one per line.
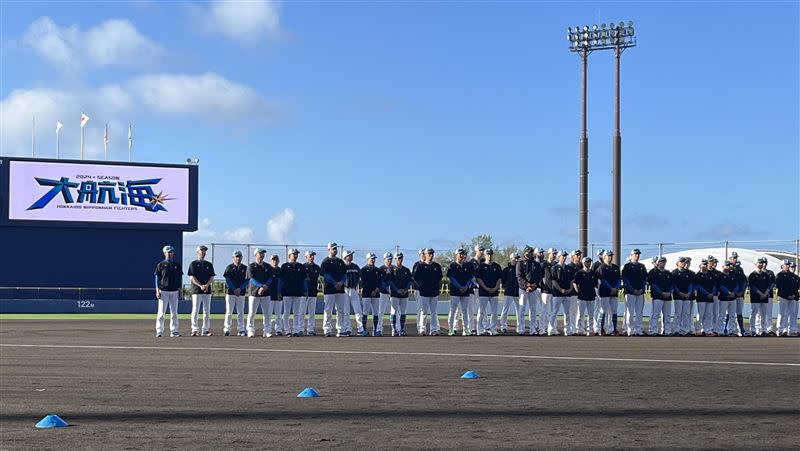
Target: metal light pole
<point>584,41</point>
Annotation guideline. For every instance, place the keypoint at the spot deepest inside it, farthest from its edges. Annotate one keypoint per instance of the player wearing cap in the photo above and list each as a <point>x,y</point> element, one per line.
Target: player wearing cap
<point>400,284</point>
<point>308,308</point>
<point>236,283</point>
<point>461,281</point>
<point>716,275</point>
<point>741,287</point>
<point>547,291</point>
<point>428,278</point>
<point>421,254</point>
<point>759,283</point>
<point>529,279</point>
<point>683,298</point>
<point>294,288</point>
<point>168,276</point>
<point>562,276</point>
<point>661,283</point>
<point>634,277</point>
<point>385,300</point>
<point>474,262</point>
<point>201,275</point>
<point>768,309</point>
<point>259,275</point>
<point>489,277</point>
<point>510,292</point>
<point>334,277</point>
<point>275,303</point>
<point>728,288</point>
<point>585,285</point>
<point>353,274</point>
<point>598,305</point>
<point>370,294</point>
<point>788,284</point>
<point>705,286</point>
<point>608,292</point>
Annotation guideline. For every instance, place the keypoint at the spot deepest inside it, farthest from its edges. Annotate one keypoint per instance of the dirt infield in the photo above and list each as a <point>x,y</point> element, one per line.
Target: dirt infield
<point>121,388</point>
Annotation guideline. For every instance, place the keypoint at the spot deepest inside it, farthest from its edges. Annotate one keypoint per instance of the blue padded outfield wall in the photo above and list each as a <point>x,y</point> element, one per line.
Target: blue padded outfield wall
<point>73,253</point>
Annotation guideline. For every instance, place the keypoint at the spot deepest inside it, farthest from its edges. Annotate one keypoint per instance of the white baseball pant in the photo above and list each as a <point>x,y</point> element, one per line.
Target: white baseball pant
<point>787,316</point>
<point>340,301</point>
<point>399,306</point>
<point>355,304</point>
<point>536,309</point>
<point>385,306</point>
<point>608,307</point>
<point>544,315</point>
<point>293,304</point>
<point>252,310</point>
<point>660,321</point>
<point>634,308</point>
<point>428,307</point>
<point>458,303</point>
<point>168,298</point>
<point>559,302</point>
<point>509,304</point>
<point>372,306</point>
<point>487,306</point>
<point>274,311</point>
<point>232,301</point>
<point>523,309</point>
<point>706,312</point>
<point>308,314</point>
<point>727,313</point>
<point>758,318</point>
<point>683,316</point>
<point>205,300</point>
<point>586,310</point>
<point>769,315</point>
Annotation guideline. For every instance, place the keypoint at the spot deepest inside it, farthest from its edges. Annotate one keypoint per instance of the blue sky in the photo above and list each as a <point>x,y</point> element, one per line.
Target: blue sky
<point>419,123</point>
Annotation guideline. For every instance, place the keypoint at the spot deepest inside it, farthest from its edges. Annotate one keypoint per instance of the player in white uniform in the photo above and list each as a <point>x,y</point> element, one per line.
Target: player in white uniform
<point>236,283</point>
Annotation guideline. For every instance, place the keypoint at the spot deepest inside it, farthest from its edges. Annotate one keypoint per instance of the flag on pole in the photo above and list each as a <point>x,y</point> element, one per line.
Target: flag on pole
<point>59,126</point>
<point>84,119</point>
<point>105,141</point>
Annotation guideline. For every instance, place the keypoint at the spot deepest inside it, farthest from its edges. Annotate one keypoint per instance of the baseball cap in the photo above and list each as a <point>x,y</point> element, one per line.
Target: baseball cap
<point>461,251</point>
<point>727,263</point>
<point>539,250</point>
<point>513,255</point>
<point>762,260</point>
<point>601,251</point>
<point>552,250</point>
<point>734,254</point>
<point>371,255</point>
<point>259,251</point>
<point>489,252</point>
<point>636,251</point>
<point>430,251</point>
<point>793,265</point>
<point>654,259</point>
<point>586,259</point>
<point>274,257</point>
<point>237,253</point>
<point>167,248</point>
<point>201,247</point>
<point>421,251</point>
<point>609,252</point>
<point>688,259</point>
<point>711,258</point>
<point>704,262</point>
<point>786,261</point>
<point>398,255</point>
<point>564,253</point>
<point>662,259</point>
<point>348,254</point>
<point>310,253</point>
<point>480,248</point>
<point>294,251</point>
<point>682,259</point>
<point>387,256</point>
<point>333,245</point>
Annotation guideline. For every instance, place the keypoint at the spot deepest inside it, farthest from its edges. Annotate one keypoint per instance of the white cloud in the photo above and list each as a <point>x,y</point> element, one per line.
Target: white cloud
<point>280,226</point>
<point>205,234</point>
<point>113,42</point>
<point>242,21</point>
<point>208,94</point>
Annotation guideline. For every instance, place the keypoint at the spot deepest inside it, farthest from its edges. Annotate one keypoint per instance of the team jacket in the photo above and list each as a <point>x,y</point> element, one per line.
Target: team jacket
<point>634,276</point>
<point>529,271</point>
<point>413,271</point>
<point>386,278</point>
<point>587,283</point>
<point>704,283</point>
<point>490,274</point>
<point>758,281</point>
<point>788,284</point>
<point>203,271</point>
<point>294,280</point>
<point>257,276</point>
<point>168,275</point>
<point>460,276</point>
<point>312,272</point>
<point>771,276</point>
<point>370,281</point>
<point>332,270</point>
<point>428,279</point>
<point>276,285</point>
<point>609,279</point>
<point>236,277</point>
<point>683,282</point>
<point>564,275</point>
<point>401,280</point>
<point>660,284</point>
<point>353,273</point>
<point>728,286</point>
<point>741,280</point>
<point>510,285</point>
<point>547,283</point>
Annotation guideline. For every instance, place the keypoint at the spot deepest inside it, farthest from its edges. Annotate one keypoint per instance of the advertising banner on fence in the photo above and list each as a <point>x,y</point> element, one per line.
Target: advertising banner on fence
<point>98,193</point>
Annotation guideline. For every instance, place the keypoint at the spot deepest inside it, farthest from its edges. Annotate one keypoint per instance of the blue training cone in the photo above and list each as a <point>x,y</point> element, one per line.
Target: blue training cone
<point>51,421</point>
<point>470,375</point>
<point>308,393</point>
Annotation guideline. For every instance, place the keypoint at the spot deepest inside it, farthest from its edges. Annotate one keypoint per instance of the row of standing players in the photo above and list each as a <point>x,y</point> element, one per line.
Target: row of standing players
<point>582,289</point>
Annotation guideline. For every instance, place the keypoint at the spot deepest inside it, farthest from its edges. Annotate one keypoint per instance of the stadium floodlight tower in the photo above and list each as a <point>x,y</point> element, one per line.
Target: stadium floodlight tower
<point>584,41</point>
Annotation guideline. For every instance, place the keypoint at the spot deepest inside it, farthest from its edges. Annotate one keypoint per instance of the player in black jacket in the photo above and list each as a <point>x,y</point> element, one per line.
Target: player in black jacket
<point>608,291</point>
<point>371,283</point>
<point>705,284</point>
<point>585,285</point>
<point>488,277</point>
<point>294,288</point>
<point>660,281</point>
<point>634,277</point>
<point>385,295</point>
<point>168,277</point>
<point>547,290</point>
<point>334,276</point>
<point>788,284</point>
<point>741,287</point>
<point>728,291</point>
<point>529,279</point>
<point>353,274</point>
<point>259,276</point>
<point>510,293</point>
<point>201,275</point>
<point>461,281</point>
<point>562,276</point>
<point>399,284</point>
<point>427,276</point>
<point>769,313</point>
<point>275,305</point>
<point>236,283</point>
<point>308,309</point>
<point>683,298</point>
<point>759,283</point>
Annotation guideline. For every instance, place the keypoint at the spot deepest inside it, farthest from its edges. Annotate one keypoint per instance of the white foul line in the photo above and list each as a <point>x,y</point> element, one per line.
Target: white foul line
<point>397,353</point>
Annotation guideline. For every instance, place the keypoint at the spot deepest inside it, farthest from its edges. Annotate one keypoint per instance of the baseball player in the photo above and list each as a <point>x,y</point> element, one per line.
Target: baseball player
<point>741,287</point>
<point>634,277</point>
<point>598,307</point>
<point>201,275</point>
<point>236,282</point>
<point>308,308</point>
<point>610,283</point>
<point>371,282</point>
<point>168,276</point>
<point>683,295</point>
<point>768,309</point>
<point>334,277</point>
<point>476,260</point>
<point>414,286</point>
<point>400,284</point>
<point>547,291</point>
<point>759,283</point>
<point>275,304</point>
<point>294,288</point>
<point>461,281</point>
<point>660,281</point>
<point>489,278</point>
<point>529,279</point>
<point>510,292</point>
<point>585,285</point>
<point>561,278</point>
<point>259,275</point>
<point>716,275</point>
<point>385,299</point>
<point>353,274</point>
<point>729,290</point>
<point>788,284</point>
<point>706,288</point>
<point>428,278</point>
